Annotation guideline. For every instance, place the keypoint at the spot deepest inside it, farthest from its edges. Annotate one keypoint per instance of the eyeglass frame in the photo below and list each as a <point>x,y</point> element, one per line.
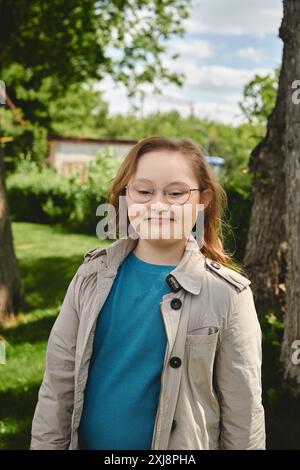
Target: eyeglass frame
<point>155,189</point>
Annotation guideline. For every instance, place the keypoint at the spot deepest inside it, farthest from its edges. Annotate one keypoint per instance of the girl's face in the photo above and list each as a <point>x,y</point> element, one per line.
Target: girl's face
<point>159,218</point>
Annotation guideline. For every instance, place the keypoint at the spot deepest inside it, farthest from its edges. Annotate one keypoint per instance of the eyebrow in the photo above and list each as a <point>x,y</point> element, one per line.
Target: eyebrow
<point>171,182</point>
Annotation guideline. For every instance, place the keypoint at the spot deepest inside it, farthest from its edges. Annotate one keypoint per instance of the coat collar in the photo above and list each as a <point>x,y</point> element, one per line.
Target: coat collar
<point>188,272</point>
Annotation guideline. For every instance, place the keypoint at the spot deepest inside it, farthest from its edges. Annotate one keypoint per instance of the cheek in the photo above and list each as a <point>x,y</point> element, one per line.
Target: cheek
<point>186,214</point>
<point>136,212</point>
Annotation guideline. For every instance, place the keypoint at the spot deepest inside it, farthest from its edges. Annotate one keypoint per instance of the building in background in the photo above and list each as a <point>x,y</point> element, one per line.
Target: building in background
<point>67,153</point>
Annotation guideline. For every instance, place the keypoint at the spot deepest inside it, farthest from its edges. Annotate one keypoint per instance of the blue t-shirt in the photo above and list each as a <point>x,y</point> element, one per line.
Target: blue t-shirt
<point>123,385</point>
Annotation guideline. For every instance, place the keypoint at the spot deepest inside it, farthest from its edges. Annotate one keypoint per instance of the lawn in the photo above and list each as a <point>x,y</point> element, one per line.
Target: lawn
<point>48,259</point>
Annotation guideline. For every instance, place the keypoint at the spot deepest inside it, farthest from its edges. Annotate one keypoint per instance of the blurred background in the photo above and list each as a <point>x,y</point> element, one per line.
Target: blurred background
<point>82,81</point>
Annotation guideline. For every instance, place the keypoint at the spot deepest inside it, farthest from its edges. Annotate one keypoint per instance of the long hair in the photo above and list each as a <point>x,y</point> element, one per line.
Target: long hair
<point>212,247</point>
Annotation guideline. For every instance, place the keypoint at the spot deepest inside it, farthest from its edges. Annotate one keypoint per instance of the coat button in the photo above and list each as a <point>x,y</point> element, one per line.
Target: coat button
<point>175,362</point>
<point>215,264</point>
<point>173,425</point>
<point>176,304</point>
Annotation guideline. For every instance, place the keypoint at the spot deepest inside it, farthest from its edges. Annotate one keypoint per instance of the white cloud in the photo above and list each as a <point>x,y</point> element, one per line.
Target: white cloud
<point>196,48</point>
<point>219,108</point>
<point>219,103</point>
<point>229,113</point>
<point>209,77</point>
<point>257,17</point>
<point>218,76</point>
<point>251,53</point>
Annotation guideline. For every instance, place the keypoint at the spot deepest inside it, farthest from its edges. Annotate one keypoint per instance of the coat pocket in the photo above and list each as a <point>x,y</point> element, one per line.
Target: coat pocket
<point>200,355</point>
<point>201,351</point>
<point>203,335</point>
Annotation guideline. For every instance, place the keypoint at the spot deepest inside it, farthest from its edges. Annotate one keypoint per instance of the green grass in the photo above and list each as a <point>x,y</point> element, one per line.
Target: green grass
<point>48,258</point>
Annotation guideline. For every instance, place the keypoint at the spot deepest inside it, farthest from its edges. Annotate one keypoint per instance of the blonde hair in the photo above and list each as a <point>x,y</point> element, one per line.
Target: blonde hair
<point>213,235</point>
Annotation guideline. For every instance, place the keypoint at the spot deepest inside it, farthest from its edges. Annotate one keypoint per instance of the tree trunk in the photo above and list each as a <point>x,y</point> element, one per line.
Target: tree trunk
<point>290,33</point>
<point>265,256</point>
<point>273,250</point>
<point>11,291</point>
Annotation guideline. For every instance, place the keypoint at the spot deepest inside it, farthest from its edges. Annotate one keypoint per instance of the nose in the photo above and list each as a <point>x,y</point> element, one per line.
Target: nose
<point>157,203</point>
<point>159,198</point>
<point>157,206</point>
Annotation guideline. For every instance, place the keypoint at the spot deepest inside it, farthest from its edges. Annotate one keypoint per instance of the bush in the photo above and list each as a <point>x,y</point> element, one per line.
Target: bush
<point>30,140</point>
<point>32,188</point>
<point>37,193</point>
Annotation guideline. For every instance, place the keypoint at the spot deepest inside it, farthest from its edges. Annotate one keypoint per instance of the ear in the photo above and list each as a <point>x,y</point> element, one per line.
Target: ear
<point>206,197</point>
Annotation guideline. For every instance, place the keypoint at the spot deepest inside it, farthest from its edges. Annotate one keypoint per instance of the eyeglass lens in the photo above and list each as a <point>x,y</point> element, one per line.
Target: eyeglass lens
<point>141,191</point>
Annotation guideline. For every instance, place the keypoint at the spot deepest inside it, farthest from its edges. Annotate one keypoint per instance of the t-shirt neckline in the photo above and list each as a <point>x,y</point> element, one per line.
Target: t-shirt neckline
<point>138,263</point>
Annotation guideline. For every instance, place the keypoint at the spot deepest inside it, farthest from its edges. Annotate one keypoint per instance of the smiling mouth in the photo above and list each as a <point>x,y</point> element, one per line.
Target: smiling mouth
<point>159,221</point>
<point>159,218</point>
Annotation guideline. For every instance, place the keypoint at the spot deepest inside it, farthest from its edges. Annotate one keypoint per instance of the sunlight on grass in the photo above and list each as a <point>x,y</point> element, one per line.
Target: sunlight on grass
<point>48,259</point>
<point>36,241</point>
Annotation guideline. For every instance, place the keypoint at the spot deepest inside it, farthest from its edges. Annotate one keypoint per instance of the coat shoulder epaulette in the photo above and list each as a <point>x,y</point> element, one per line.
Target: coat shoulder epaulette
<point>230,275</point>
<point>93,254</point>
<point>90,263</point>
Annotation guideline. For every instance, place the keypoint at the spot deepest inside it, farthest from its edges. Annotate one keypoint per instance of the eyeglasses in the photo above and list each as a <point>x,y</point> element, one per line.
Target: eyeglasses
<point>142,191</point>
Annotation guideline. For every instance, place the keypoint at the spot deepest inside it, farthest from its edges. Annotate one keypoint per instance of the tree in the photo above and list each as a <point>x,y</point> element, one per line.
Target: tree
<point>82,40</point>
<point>273,240</point>
<point>291,37</point>
<point>72,43</point>
<point>259,97</point>
<point>11,291</point>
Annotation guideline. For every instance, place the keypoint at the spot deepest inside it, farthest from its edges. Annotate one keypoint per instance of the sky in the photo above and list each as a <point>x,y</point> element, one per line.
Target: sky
<point>226,43</point>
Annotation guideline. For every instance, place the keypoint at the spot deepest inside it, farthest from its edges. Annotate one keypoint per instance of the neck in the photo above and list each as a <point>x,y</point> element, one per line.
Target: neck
<point>165,252</point>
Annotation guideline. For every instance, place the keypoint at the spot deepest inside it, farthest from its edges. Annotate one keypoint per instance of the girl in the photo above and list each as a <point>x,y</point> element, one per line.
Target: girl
<point>157,344</point>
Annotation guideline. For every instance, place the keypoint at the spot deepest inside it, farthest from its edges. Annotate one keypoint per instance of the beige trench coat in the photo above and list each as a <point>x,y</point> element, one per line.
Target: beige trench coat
<point>210,396</point>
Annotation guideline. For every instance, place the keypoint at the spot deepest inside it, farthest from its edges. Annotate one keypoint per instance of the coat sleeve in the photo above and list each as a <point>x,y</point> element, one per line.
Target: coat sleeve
<point>238,378</point>
<point>51,425</point>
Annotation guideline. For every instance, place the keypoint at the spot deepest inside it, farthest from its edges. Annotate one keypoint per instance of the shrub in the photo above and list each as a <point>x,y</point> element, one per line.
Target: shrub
<point>37,193</point>
<point>30,140</point>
